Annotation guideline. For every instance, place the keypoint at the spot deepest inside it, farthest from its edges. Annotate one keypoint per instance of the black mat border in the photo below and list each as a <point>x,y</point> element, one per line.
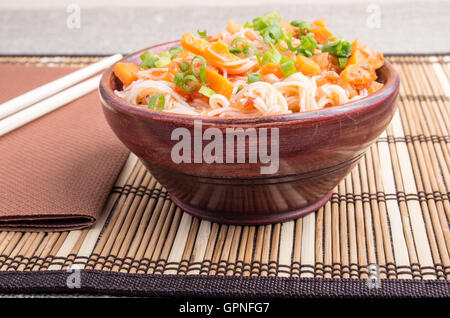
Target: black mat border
<point>121,284</point>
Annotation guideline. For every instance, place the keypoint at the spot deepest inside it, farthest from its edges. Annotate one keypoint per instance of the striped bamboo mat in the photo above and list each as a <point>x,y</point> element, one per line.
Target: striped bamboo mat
<point>388,218</point>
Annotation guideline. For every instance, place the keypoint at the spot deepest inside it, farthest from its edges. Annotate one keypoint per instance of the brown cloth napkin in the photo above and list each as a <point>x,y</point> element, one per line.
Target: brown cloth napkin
<point>55,172</point>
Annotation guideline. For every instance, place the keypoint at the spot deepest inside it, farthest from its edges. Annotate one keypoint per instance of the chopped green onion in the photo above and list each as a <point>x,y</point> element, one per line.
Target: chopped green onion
<point>253,77</point>
<point>338,48</point>
<point>201,33</point>
<point>342,61</point>
<point>175,51</point>
<point>263,22</point>
<point>301,25</point>
<point>234,50</point>
<point>163,61</point>
<point>202,73</point>
<point>148,60</point>
<point>274,32</point>
<point>179,79</point>
<point>288,68</point>
<point>202,59</point>
<point>208,92</point>
<point>184,66</point>
<point>271,56</point>
<point>146,53</point>
<point>269,27</point>
<point>236,42</point>
<point>285,59</point>
<point>308,42</point>
<point>186,83</point>
<point>305,52</point>
<point>164,54</point>
<point>254,50</point>
<point>152,102</point>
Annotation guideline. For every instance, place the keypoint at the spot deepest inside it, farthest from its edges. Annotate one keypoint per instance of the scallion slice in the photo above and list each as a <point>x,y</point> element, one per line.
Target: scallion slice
<point>253,77</point>
<point>184,66</point>
<point>193,70</point>
<point>187,80</point>
<point>201,33</point>
<point>148,60</point>
<point>288,68</point>
<point>161,101</point>
<point>175,51</point>
<point>234,50</point>
<point>179,79</point>
<point>342,61</point>
<point>271,56</point>
<point>236,42</point>
<point>208,92</point>
<point>202,73</point>
<point>163,61</point>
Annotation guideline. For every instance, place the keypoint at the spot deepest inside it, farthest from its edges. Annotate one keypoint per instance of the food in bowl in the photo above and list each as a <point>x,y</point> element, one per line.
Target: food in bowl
<point>316,146</point>
<point>268,67</point>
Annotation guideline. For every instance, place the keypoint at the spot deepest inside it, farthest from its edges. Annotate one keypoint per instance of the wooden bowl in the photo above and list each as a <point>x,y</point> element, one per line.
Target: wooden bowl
<point>316,151</point>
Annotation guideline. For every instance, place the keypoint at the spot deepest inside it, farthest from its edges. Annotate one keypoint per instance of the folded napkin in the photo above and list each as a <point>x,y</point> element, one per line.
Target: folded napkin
<point>56,172</point>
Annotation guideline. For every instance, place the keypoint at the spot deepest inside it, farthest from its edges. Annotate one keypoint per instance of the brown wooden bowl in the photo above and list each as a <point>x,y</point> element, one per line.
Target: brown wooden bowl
<point>316,151</point>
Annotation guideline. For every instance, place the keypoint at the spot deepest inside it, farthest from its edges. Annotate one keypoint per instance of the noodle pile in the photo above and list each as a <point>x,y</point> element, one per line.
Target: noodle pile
<point>250,70</point>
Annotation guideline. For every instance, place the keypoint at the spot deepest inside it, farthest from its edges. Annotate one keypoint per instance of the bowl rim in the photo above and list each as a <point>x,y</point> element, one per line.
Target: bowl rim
<point>107,95</point>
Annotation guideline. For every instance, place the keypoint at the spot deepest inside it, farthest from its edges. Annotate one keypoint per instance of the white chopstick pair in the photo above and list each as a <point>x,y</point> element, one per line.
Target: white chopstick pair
<point>18,112</point>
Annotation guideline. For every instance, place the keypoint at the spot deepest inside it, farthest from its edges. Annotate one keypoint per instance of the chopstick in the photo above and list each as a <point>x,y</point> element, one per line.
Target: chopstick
<point>18,103</point>
<point>40,109</point>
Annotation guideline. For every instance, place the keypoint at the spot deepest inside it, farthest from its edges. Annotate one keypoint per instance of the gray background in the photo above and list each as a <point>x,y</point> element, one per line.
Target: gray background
<point>40,27</point>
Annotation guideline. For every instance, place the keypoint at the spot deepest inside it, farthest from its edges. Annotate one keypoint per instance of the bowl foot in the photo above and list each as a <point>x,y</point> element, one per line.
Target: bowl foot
<point>251,220</point>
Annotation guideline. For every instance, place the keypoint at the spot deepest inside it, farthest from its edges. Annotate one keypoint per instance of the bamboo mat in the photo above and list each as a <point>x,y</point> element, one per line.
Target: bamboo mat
<point>389,217</point>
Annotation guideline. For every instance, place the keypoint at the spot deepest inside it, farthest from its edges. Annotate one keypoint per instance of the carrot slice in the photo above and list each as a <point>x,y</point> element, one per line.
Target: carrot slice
<point>326,61</point>
<point>126,72</point>
<point>220,48</point>
<point>218,83</point>
<point>194,44</point>
<point>307,66</point>
<point>319,23</point>
<point>271,68</point>
<point>356,75</point>
<point>321,33</point>
<point>363,55</point>
<point>233,27</point>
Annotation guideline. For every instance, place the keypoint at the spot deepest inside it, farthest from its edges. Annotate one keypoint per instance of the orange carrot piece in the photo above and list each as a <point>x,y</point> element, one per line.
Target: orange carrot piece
<point>321,33</point>
<point>326,61</point>
<point>218,83</point>
<point>233,26</point>
<point>194,44</point>
<point>201,47</point>
<point>271,68</point>
<point>307,66</point>
<point>319,23</point>
<point>356,75</point>
<point>126,72</point>
<point>219,47</point>
<point>364,55</point>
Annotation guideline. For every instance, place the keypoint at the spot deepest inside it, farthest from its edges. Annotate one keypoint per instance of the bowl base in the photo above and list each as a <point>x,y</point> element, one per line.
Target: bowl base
<point>264,219</point>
